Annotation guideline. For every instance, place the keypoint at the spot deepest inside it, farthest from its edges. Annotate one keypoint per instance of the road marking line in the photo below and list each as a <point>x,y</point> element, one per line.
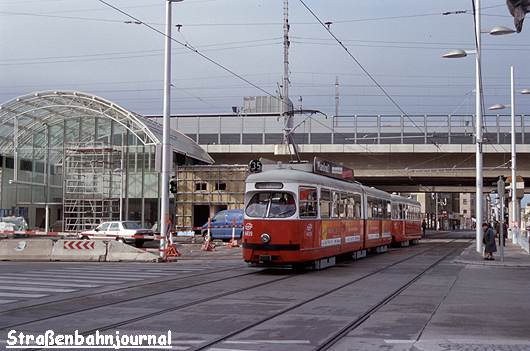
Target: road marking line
<point>6,301</point>
<point>288,342</point>
<point>126,273</point>
<point>31,288</point>
<point>15,281</point>
<point>221,349</point>
<point>400,341</point>
<point>21,295</point>
<point>95,274</point>
<point>58,275</point>
<point>56,279</point>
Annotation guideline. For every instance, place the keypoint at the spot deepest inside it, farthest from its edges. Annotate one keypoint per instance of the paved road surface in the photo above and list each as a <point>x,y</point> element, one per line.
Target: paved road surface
<point>423,297</point>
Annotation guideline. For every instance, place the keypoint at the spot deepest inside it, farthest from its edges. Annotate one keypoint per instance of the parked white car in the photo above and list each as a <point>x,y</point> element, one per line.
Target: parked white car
<point>125,231</point>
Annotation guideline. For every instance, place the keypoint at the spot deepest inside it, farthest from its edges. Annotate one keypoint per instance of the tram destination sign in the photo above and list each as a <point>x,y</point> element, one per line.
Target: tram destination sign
<point>331,169</point>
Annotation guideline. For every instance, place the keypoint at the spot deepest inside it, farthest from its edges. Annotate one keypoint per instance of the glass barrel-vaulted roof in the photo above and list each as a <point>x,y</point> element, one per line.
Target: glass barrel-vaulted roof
<point>24,118</point>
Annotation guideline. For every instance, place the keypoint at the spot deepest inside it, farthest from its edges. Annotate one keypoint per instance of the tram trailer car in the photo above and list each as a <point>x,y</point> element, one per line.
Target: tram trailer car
<point>295,217</point>
<point>406,221</point>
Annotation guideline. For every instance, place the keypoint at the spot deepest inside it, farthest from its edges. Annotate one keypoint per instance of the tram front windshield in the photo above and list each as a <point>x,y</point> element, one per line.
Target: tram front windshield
<point>271,205</point>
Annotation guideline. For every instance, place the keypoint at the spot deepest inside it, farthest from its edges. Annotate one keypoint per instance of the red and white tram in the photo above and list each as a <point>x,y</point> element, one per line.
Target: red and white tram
<point>297,217</point>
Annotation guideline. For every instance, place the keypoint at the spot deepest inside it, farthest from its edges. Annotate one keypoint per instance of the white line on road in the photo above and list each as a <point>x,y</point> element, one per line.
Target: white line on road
<point>32,288</point>
<point>6,301</point>
<point>5,294</point>
<point>252,342</point>
<point>67,277</point>
<point>400,341</point>
<point>71,285</point>
<point>125,275</point>
<point>57,279</point>
<point>111,272</point>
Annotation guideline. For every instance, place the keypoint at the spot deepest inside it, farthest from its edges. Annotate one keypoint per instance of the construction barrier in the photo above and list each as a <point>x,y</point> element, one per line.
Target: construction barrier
<point>71,250</point>
<point>118,251</point>
<point>36,233</point>
<point>25,250</point>
<point>79,250</point>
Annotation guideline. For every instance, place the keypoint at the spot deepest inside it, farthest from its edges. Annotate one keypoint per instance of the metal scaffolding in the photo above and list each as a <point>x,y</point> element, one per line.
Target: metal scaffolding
<point>93,185</point>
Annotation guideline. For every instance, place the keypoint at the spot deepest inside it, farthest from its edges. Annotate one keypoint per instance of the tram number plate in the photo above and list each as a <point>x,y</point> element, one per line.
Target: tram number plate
<point>265,258</point>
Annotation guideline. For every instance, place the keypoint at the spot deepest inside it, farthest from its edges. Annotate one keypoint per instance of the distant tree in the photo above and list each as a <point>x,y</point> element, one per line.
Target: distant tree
<point>518,9</point>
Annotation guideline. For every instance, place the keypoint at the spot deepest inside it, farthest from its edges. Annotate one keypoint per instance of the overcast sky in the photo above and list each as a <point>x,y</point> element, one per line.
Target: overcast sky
<point>84,45</point>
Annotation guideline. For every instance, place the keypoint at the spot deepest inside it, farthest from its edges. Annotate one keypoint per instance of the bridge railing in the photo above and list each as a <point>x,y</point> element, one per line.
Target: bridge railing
<point>356,129</point>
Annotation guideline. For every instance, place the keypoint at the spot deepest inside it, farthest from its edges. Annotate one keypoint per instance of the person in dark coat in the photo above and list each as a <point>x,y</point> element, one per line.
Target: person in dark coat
<point>423,227</point>
<point>489,242</point>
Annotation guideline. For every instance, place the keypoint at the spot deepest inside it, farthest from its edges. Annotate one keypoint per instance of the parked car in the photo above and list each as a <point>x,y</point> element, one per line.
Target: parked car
<point>222,223</point>
<point>124,231</point>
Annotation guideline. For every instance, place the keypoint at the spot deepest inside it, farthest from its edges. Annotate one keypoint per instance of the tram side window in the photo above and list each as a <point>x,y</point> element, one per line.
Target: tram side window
<point>388,206</point>
<point>373,208</point>
<point>308,202</point>
<point>335,207</point>
<point>325,197</point>
<point>354,206</point>
<point>380,209</point>
<point>395,209</point>
<point>358,204</point>
<point>343,206</point>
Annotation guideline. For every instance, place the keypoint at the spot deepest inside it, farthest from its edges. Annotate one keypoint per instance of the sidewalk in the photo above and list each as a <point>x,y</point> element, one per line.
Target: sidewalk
<point>514,256</point>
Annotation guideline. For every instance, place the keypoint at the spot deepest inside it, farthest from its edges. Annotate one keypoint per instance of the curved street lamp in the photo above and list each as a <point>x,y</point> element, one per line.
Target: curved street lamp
<point>459,53</point>
<point>513,184</point>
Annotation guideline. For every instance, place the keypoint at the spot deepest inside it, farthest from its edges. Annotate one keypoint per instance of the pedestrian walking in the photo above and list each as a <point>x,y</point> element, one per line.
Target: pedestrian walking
<point>424,227</point>
<point>489,242</point>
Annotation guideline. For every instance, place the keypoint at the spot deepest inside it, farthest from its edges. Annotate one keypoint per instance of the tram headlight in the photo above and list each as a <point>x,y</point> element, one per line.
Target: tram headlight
<point>265,238</point>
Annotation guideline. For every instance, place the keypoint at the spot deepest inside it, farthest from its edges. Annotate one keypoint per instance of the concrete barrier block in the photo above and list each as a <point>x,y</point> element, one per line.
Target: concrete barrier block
<point>79,250</point>
<point>118,251</point>
<point>25,249</point>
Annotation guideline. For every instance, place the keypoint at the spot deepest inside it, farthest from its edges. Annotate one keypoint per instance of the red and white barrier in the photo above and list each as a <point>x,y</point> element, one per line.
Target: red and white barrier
<point>34,233</point>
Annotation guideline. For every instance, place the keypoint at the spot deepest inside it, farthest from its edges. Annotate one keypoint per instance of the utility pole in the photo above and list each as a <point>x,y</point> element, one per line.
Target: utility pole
<point>286,113</point>
<point>337,96</point>
<point>500,192</point>
<point>514,223</point>
<point>478,122</point>
<point>166,130</point>
<point>436,227</point>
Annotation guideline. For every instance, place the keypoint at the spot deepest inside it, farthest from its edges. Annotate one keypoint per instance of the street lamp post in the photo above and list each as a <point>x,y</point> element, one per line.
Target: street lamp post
<point>478,116</point>
<point>166,147</point>
<point>513,184</point>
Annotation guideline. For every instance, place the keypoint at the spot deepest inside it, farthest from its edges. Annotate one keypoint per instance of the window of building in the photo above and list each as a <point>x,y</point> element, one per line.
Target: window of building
<point>219,186</point>
<point>39,167</point>
<point>308,202</point>
<point>26,165</point>
<point>10,162</point>
<point>465,211</point>
<point>464,201</point>
<point>201,186</point>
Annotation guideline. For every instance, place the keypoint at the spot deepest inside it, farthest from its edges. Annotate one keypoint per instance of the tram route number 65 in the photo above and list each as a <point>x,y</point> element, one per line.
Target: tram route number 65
<point>255,166</point>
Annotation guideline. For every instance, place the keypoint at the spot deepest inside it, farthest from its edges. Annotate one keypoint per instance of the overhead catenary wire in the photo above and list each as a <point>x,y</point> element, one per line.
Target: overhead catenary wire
<point>372,78</point>
<point>194,50</point>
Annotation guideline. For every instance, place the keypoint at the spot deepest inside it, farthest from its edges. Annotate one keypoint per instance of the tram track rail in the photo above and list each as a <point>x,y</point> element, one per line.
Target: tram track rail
<point>314,298</point>
<point>125,299</point>
<point>235,291</point>
<point>336,337</point>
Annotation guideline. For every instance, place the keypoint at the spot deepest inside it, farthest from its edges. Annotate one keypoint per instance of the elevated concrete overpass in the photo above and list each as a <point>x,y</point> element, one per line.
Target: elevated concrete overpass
<point>395,153</point>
